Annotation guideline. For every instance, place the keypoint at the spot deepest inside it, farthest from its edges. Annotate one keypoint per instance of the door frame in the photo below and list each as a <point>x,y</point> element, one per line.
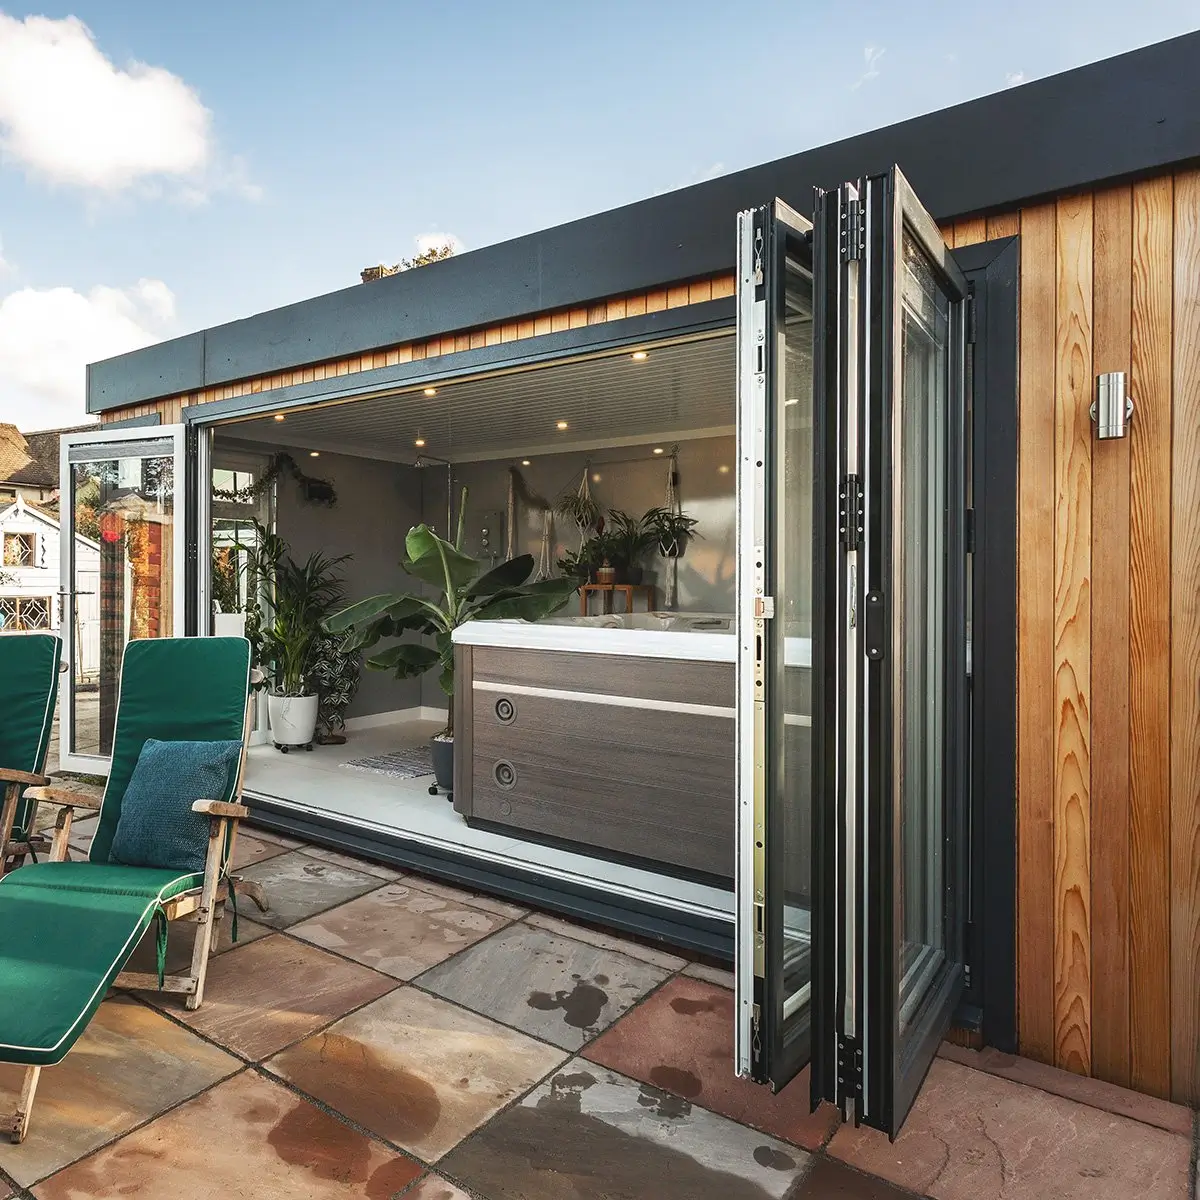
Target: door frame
<point>106,435</point>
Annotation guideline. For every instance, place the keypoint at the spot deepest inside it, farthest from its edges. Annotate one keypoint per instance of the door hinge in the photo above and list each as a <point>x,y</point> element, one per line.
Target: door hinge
<point>971,314</point>
<point>853,232</point>
<point>850,512</point>
<point>849,1069</point>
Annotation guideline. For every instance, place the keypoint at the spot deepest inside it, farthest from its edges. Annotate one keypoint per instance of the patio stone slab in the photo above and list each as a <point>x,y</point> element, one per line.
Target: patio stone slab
<point>248,1139</point>
<point>709,974</point>
<point>553,987</point>
<point>355,864</point>
<point>1095,1093</point>
<point>299,886</point>
<point>606,941</point>
<point>591,1134</point>
<point>130,1064</point>
<point>264,996</point>
<point>181,939</point>
<point>434,1187</point>
<point>416,1070</point>
<point>832,1180</point>
<point>269,835</point>
<point>492,904</point>
<point>250,850</point>
<point>399,930</point>
<point>974,1136</point>
<point>681,1040</point>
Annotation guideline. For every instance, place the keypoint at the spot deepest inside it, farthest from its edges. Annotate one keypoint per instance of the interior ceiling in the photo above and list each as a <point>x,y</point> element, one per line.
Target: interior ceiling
<point>681,390</point>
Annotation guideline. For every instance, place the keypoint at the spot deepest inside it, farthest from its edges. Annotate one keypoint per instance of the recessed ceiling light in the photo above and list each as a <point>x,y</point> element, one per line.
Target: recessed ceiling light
<point>279,416</point>
<point>562,424</point>
<point>419,442</point>
<point>524,462</point>
<point>658,449</point>
<point>639,356</point>
<point>431,391</point>
<point>314,454</point>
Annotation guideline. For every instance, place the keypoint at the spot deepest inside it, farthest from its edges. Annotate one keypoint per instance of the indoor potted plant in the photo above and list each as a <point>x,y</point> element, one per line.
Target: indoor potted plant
<point>298,597</point>
<point>465,590</point>
<point>672,530</point>
<point>631,537</point>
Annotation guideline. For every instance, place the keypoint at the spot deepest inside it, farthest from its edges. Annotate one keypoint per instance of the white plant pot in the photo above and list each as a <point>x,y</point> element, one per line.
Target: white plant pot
<point>293,719</point>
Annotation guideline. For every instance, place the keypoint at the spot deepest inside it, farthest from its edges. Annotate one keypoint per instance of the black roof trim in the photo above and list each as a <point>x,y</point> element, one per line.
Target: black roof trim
<point>1129,116</point>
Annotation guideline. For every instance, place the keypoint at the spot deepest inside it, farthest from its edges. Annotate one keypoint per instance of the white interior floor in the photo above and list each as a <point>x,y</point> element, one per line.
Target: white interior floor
<point>318,782</point>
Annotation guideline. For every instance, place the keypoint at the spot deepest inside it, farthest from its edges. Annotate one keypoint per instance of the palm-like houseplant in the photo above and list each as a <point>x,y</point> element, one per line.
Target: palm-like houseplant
<point>289,603</point>
<point>464,591</point>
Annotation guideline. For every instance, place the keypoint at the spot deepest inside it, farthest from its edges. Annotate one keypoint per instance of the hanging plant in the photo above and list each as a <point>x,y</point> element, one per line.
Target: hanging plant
<point>312,489</point>
<point>579,507</point>
<point>673,530</point>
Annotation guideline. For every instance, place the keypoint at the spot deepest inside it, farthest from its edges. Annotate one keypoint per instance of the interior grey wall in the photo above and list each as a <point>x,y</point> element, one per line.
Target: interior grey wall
<point>377,503</point>
<point>632,478</point>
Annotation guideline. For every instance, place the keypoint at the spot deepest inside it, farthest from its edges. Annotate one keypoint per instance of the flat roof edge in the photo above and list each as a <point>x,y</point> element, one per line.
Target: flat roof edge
<point>1134,115</point>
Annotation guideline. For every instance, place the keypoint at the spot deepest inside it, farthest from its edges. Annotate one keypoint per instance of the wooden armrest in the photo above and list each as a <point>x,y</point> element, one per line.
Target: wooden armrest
<point>8,775</point>
<point>220,808</point>
<point>67,797</point>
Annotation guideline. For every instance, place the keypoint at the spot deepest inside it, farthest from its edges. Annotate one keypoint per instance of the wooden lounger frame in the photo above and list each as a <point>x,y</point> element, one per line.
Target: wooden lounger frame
<point>205,904</point>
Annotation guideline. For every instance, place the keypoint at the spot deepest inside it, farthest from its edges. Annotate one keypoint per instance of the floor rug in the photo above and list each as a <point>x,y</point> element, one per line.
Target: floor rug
<point>399,764</point>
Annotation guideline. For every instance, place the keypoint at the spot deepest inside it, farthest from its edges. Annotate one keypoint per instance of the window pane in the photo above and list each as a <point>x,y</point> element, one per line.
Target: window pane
<point>921,686</point>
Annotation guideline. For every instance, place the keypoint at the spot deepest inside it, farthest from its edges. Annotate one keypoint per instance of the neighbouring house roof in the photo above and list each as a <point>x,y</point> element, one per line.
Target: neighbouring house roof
<point>18,465</point>
<point>42,447</point>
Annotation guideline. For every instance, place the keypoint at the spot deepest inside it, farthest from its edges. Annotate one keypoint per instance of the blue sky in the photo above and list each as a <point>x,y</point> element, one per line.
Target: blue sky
<point>167,167</point>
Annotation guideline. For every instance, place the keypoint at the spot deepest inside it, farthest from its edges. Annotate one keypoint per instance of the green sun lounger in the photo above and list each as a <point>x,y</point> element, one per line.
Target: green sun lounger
<point>29,666</point>
<point>70,927</point>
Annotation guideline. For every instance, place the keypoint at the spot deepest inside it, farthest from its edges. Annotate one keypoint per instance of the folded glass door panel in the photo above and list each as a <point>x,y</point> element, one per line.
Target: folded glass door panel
<point>776,643</point>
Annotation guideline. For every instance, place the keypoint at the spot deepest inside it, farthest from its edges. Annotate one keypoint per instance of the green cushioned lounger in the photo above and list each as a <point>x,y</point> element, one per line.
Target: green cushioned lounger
<point>29,668</point>
<point>70,927</point>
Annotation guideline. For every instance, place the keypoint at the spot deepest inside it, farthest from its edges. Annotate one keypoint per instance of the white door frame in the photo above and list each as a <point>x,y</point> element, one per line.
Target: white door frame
<point>125,441</point>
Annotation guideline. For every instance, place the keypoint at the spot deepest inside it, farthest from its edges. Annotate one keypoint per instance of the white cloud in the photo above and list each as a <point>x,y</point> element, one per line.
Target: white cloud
<point>429,241</point>
<point>871,56</point>
<point>1013,78</point>
<point>70,116</point>
<point>49,335</point>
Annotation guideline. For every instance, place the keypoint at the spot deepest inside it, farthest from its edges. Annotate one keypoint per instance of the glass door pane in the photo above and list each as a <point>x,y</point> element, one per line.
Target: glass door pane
<point>775,625</point>
<point>915,723</point>
<point>122,571</point>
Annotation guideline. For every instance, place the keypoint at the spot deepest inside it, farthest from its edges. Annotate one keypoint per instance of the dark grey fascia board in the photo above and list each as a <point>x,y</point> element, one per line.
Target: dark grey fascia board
<point>706,317</point>
<point>1129,116</point>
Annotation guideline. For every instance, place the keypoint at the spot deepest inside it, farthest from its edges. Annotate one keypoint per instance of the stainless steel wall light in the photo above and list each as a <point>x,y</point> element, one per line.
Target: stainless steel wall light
<point>1112,409</point>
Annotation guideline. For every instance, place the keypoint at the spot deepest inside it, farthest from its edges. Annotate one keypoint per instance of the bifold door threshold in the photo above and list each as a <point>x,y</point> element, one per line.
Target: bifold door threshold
<point>709,937</point>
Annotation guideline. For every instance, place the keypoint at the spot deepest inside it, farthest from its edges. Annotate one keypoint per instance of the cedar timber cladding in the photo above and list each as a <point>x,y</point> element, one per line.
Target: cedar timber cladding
<point>678,295</point>
<point>1108,920</point>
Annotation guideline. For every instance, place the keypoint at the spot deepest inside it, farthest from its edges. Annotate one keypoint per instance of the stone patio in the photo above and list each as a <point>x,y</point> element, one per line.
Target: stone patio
<point>380,1034</point>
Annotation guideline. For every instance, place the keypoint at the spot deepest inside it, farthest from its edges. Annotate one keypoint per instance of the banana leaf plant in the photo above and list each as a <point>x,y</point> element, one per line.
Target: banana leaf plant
<point>465,591</point>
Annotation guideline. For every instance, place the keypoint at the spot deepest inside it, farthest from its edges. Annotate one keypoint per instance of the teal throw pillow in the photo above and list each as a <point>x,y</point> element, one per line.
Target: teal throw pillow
<point>157,827</point>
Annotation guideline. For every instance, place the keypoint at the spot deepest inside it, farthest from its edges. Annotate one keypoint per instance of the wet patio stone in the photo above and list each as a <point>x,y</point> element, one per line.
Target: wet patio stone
<point>416,1070</point>
<point>247,1138</point>
<point>553,987</point>
<point>591,1134</point>
<point>299,886</point>
<point>974,1136</point>
<point>264,996</point>
<point>434,1187</point>
<point>681,1040</point>
<point>399,930</point>
<point>832,1180</point>
<point>130,1064</point>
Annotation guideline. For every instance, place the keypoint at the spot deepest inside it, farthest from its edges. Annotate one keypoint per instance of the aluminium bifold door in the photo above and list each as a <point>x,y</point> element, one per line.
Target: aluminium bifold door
<point>851,784</point>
